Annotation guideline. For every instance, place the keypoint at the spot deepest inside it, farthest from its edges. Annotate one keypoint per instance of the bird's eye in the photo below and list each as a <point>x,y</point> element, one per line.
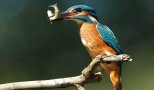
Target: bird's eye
<point>78,10</point>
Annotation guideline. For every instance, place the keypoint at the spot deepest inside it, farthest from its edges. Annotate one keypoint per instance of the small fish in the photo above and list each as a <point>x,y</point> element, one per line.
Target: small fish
<point>50,13</point>
<point>53,15</point>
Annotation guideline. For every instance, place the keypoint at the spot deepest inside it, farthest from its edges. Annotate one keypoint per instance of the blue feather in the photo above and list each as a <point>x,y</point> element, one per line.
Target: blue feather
<point>109,37</point>
<point>84,8</point>
<point>84,18</point>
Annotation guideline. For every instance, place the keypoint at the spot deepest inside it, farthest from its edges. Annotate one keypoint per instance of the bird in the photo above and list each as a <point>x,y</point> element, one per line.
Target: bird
<point>97,38</point>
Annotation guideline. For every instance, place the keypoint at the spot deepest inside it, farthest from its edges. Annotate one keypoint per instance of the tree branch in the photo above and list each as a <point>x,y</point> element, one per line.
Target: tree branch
<point>87,76</point>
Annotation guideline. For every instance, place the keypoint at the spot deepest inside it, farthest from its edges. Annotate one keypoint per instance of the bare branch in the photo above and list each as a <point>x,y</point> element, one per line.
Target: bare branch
<point>42,84</point>
<point>114,58</point>
<point>62,82</point>
<point>79,87</point>
<point>87,76</point>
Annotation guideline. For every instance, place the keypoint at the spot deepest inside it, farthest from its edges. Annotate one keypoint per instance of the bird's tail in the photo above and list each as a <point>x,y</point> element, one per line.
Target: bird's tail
<point>114,72</point>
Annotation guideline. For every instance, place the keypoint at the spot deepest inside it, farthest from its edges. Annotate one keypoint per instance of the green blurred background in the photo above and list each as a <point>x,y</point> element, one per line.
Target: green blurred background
<point>33,49</point>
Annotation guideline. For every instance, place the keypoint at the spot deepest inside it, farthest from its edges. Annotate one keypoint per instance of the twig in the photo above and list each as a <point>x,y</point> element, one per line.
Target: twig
<point>87,76</point>
<point>79,87</point>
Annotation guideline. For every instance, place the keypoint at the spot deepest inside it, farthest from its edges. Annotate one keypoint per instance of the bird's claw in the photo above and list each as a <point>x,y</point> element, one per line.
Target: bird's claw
<point>101,56</point>
<point>126,57</point>
<point>121,57</point>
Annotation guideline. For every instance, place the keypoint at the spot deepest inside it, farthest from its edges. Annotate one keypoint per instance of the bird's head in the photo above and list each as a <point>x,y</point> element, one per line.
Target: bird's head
<point>80,13</point>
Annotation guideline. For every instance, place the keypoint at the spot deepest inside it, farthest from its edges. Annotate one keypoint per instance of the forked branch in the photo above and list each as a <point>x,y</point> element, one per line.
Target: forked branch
<point>87,76</point>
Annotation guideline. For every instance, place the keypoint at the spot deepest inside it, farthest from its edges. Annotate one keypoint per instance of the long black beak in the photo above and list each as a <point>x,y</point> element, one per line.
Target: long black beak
<point>66,15</point>
<point>63,15</point>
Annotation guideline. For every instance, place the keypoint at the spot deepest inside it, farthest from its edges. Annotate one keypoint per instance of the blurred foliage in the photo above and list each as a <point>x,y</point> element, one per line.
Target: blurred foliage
<point>33,49</point>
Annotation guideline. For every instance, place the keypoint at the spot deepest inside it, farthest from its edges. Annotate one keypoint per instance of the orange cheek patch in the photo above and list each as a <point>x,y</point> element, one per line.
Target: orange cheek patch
<point>84,13</point>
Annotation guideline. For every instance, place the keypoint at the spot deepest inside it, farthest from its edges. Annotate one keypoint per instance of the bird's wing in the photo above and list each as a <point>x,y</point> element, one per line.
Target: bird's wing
<point>109,37</point>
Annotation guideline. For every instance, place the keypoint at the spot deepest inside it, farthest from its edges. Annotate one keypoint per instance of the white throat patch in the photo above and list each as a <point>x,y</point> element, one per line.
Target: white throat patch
<point>93,19</point>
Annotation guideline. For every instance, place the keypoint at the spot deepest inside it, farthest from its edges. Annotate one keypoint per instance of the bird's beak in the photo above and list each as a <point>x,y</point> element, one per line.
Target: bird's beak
<point>56,15</point>
<point>67,15</point>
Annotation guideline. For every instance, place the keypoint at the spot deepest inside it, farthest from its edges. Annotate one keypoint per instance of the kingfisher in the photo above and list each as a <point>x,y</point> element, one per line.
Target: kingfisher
<point>97,38</point>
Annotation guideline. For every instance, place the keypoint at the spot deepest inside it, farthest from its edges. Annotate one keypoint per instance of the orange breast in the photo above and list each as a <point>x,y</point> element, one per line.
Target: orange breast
<point>93,41</point>
<point>95,46</point>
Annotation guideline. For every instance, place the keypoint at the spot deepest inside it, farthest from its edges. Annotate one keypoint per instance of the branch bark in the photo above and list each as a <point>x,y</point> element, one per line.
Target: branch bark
<point>87,76</point>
